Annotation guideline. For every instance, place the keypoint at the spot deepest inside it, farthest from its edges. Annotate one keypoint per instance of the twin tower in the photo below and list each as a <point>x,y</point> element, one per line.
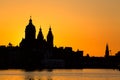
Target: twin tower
<point>31,42</point>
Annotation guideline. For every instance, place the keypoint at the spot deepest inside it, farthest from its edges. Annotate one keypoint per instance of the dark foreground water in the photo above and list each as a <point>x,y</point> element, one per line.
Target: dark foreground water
<point>58,74</point>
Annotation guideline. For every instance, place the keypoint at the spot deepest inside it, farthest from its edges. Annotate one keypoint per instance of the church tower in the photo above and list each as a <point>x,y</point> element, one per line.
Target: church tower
<point>40,38</point>
<point>50,38</point>
<point>30,31</point>
<point>29,41</point>
<point>107,51</point>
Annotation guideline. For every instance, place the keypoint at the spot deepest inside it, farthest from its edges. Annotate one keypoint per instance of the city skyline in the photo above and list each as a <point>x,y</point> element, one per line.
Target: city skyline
<point>86,25</point>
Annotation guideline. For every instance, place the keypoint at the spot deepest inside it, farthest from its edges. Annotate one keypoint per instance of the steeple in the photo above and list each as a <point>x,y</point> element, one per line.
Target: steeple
<point>40,39</point>
<point>30,21</point>
<point>50,28</point>
<point>40,35</point>
<point>50,38</point>
<point>107,51</point>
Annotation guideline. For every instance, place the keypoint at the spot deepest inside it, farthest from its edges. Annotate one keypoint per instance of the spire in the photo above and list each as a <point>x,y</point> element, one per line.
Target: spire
<point>50,28</point>
<point>50,38</point>
<point>30,21</point>
<point>107,51</point>
<point>40,35</point>
<point>50,31</point>
<point>40,28</point>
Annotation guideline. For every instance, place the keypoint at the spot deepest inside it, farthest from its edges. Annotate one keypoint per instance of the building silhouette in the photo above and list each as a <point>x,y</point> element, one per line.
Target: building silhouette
<point>31,42</point>
<point>36,53</point>
<point>44,52</point>
<point>107,51</point>
<point>50,38</point>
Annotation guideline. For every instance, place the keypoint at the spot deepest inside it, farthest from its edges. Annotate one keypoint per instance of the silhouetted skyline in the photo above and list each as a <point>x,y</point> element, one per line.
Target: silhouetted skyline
<point>37,53</point>
<point>82,24</point>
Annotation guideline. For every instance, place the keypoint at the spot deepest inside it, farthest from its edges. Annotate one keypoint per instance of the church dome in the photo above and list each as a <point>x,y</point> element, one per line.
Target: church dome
<point>30,27</point>
<point>30,31</point>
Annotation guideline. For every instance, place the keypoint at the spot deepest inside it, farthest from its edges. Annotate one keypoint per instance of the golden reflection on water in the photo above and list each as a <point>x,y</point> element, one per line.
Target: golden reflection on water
<point>83,74</point>
<point>11,75</point>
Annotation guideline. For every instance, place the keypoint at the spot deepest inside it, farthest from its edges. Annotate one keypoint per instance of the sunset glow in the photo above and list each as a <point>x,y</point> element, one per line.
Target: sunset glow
<point>81,24</point>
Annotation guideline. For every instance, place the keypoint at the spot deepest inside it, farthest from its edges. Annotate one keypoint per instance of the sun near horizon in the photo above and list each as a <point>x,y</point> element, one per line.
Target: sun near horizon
<point>81,24</point>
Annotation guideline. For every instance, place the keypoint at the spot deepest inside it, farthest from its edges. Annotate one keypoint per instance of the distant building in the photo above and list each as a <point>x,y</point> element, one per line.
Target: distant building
<point>117,54</point>
<point>107,51</point>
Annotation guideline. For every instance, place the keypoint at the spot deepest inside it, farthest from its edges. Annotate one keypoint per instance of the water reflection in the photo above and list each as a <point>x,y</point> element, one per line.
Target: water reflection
<point>49,78</point>
<point>38,76</point>
<point>85,74</point>
<point>29,77</point>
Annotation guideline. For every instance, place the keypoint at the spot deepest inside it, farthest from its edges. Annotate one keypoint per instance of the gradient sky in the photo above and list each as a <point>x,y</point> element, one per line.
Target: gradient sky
<point>82,24</point>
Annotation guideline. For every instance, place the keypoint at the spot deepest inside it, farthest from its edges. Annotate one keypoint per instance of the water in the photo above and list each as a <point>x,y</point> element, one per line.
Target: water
<point>61,74</point>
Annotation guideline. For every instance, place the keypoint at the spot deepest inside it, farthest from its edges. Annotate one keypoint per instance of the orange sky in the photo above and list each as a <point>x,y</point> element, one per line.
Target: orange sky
<point>82,24</point>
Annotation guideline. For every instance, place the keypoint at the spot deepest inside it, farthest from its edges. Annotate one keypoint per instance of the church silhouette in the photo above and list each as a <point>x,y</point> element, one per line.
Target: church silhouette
<point>30,40</point>
<point>41,53</point>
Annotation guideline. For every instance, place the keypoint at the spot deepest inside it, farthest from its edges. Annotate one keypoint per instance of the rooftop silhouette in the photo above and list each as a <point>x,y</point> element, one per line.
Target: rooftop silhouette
<point>35,53</point>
